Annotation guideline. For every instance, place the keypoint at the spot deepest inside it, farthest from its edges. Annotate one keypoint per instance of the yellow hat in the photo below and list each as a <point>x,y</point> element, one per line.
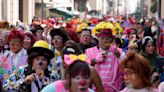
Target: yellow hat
<point>41,43</point>
<point>41,47</point>
<point>81,26</point>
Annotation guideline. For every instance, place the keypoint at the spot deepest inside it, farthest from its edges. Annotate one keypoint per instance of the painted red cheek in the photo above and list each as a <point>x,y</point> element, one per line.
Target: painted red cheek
<point>125,74</point>
<point>82,83</point>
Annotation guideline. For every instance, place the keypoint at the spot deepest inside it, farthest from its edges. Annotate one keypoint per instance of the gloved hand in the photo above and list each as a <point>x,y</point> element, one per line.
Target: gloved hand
<point>101,57</point>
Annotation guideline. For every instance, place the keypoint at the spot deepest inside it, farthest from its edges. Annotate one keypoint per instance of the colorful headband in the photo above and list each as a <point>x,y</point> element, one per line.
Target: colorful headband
<point>69,59</point>
<point>147,37</point>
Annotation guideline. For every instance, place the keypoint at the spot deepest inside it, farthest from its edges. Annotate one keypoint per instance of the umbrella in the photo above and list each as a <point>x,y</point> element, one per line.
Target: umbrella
<point>62,12</point>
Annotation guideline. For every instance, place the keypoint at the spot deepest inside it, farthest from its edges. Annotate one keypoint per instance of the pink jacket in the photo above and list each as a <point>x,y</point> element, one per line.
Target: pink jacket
<point>108,69</point>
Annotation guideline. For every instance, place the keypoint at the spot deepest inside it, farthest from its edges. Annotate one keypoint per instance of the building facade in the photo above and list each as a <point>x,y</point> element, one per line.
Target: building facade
<point>156,8</point>
<point>162,9</point>
<point>25,10</point>
<point>14,10</point>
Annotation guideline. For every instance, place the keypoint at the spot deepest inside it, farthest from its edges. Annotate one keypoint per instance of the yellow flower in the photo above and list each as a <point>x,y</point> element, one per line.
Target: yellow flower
<point>117,26</point>
<point>114,27</point>
<point>94,30</point>
<point>81,26</point>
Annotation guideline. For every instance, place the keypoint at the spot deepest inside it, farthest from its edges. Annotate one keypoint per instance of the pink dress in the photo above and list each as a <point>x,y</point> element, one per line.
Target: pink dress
<point>108,69</point>
<point>139,90</point>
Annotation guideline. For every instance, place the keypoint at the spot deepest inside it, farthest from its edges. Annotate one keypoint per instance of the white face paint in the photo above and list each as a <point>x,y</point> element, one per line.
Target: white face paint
<point>40,62</point>
<point>80,83</point>
<point>133,76</point>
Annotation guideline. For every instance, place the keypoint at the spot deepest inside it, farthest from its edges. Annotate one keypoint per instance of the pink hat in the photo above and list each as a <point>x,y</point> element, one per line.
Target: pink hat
<point>128,30</point>
<point>52,20</point>
<point>105,33</point>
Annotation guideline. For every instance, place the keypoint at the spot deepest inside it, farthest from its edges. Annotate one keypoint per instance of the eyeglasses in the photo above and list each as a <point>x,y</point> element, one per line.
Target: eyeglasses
<point>14,42</point>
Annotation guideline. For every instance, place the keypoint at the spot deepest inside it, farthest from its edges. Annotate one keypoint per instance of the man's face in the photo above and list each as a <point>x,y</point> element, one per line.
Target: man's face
<point>57,41</point>
<point>85,37</point>
<point>105,42</point>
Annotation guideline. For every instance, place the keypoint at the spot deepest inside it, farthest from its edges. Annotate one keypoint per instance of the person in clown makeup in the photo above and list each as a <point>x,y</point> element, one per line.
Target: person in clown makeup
<point>16,56</point>
<point>77,76</point>
<point>105,58</point>
<point>34,76</point>
<point>58,38</point>
<point>29,40</point>
<point>137,73</point>
<point>71,47</point>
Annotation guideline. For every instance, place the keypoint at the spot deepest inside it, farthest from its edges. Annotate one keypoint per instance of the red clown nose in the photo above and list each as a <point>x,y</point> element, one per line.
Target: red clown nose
<point>82,82</point>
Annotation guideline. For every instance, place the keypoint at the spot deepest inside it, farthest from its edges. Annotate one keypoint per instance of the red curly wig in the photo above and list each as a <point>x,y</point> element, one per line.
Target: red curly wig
<point>15,34</point>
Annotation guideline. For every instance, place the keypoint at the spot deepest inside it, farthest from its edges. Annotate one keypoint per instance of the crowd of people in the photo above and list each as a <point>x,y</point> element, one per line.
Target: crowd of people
<point>108,54</point>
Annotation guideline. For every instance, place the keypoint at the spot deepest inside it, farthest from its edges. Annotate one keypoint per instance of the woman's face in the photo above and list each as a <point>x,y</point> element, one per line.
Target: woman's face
<point>40,62</point>
<point>80,83</point>
<point>149,48</point>
<point>57,41</point>
<point>27,43</point>
<point>131,79</point>
<point>15,45</point>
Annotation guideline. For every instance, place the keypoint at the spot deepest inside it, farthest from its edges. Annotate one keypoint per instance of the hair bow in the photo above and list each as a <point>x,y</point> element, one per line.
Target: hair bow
<point>147,37</point>
<point>69,59</point>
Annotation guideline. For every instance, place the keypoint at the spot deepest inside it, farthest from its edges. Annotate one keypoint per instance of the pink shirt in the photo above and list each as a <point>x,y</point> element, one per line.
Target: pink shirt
<point>107,69</point>
<point>139,90</point>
